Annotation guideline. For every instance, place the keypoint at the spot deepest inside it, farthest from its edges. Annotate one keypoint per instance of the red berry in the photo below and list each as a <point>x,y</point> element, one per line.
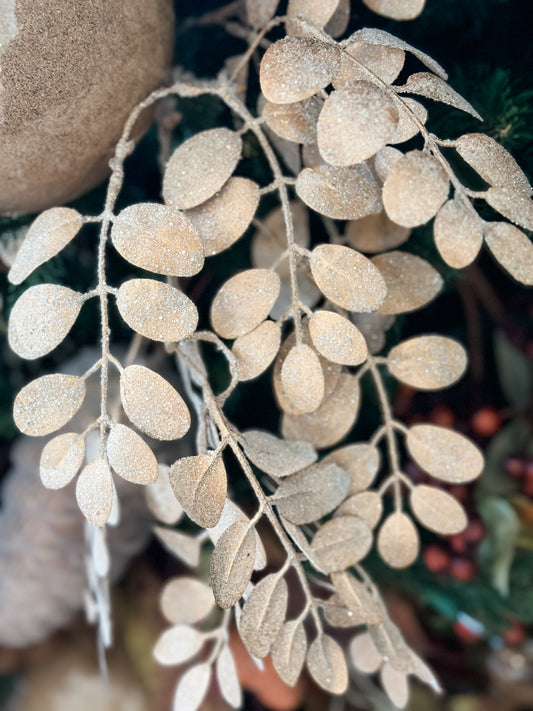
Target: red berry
<point>516,466</point>
<point>515,635</point>
<point>442,416</point>
<point>486,422</point>
<point>436,558</point>
<point>458,543</point>
<point>463,569</point>
<point>475,531</point>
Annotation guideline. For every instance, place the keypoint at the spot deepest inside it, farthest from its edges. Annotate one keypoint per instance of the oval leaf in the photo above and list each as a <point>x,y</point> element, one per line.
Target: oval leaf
<point>184,547</point>
<point>47,403</point>
<point>294,122</point>
<point>227,678</point>
<point>437,510</point>
<point>385,62</point>
<point>395,684</point>
<point>199,484</point>
<point>61,460</point>
<point>512,205</point>
<point>177,645</point>
<point>161,500</point>
<point>411,282</point>
<point>192,688</point>
<point>364,654</point>
<point>258,13</point>
<point>200,166</point>
<point>152,404</point>
<point>130,457</point>
<point>360,460</point>
<point>341,542</point>
<point>302,379</point>
<point>289,650</point>
<point>263,615</point>
<point>458,234</point>
<point>337,339</point>
<point>47,236</point>
<point>375,233</point>
<point>398,542</point>
<point>428,362</point>
<point>41,318</point>
<point>156,310</point>
<point>275,456</point>
<point>256,350</point>
<point>326,664</point>
<point>319,12</point>
<point>445,454</point>
<point>94,492</point>
<point>410,117</point>
<point>186,601</point>
<point>433,87</point>
<point>397,9</point>
<point>232,563</point>
<point>512,249</point>
<point>357,598</point>
<point>367,505</point>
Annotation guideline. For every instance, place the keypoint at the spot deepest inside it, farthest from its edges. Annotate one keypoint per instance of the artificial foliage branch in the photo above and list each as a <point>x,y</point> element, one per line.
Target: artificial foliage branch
<point>313,309</point>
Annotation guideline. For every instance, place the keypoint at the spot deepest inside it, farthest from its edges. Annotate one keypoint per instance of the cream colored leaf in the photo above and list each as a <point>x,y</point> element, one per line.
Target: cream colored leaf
<point>341,542</point>
<point>375,233</point>
<point>256,350</point>
<point>356,596</point>
<point>395,684</point>
<point>158,238</point>
<point>337,339</point>
<point>47,403</point>
<point>416,187</point>
<point>94,492</point>
<point>433,87</point>
<point>289,650</point>
<point>437,510</point>
<point>263,615</point>
<point>391,644</point>
<point>340,193</point>
<point>319,12</point>
<point>275,456</point>
<point>511,204</point>
<point>512,249</point>
<point>347,278</point>
<point>177,645</point>
<point>367,505</point>
<point>445,454</point>
<point>409,119</point>
<point>398,542</point>
<point>259,12</point>
<point>186,601</point>
<point>492,162</point>
<point>424,673</point>
<point>200,166</point>
<point>311,493</point>
<point>326,664</point>
<point>61,459</point>
<point>130,457</point>
<point>384,160</point>
<point>428,362</point>
<point>199,484</point>
<point>397,9</point>
<point>226,216</point>
<point>41,318</point>
<point>192,688</point>
<point>338,615</point>
<point>302,379</point>
<point>299,537</point>
<point>160,499</point>
<point>227,678</point>
<point>152,404</point>
<point>458,234</point>
<point>294,122</point>
<point>295,68</point>
<point>355,122</point>
<point>360,460</point>
<point>339,21</point>
<point>373,327</point>
<point>243,302</point>
<point>232,563</point>
<point>364,655</point>
<point>380,60</point>
<point>411,281</point>
<point>231,513</point>
<point>156,310</point>
<point>270,241</point>
<point>48,234</point>
<point>332,421</point>
<point>186,548</point>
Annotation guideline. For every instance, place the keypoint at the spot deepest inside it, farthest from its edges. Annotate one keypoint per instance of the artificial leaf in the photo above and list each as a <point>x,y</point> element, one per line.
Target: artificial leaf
<point>160,499</point>
<point>355,122</point>
<point>377,60</point>
<point>226,673</point>
<point>339,21</point>
<point>398,542</point>
<point>391,644</point>
<point>367,505</point>
<point>337,339</point>
<point>178,644</point>
<point>200,166</point>
<point>289,650</point>
<point>295,68</point>
<point>48,234</point>
<point>243,302</point>
<point>152,404</point>
<point>275,456</point>
<point>61,460</point>
<point>360,460</point>
<point>231,513</point>
<point>512,204</point>
<point>333,419</point>
<point>347,278</point>
<point>94,492</point>
<point>433,87</point>
<point>226,216</point>
<point>298,536</point>
<point>512,249</point>
<point>259,12</point>
<point>375,233</point>
<point>186,601</point>
<point>263,615</point>
<point>437,510</point>
<point>326,664</point>
<point>199,484</point>
<point>364,654</point>
<point>256,350</point>
<point>338,192</point>
<point>156,310</point>
<point>428,362</point>
<point>47,403</point>
<point>338,615</point>
<point>492,162</point>
<point>383,161</point>
<point>319,12</point>
<point>395,685</point>
<point>270,241</point>
<point>232,563</point>
<point>416,187</point>
<point>294,122</point>
<point>356,596</point>
<point>41,318</point>
<point>445,454</point>
<point>311,493</point>
<point>341,542</point>
<point>186,548</point>
<point>302,379</point>
<point>411,281</point>
<point>411,115</point>
<point>192,688</point>
<point>158,238</point>
<point>397,9</point>
<point>130,457</point>
<point>373,327</point>
<point>458,233</point>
